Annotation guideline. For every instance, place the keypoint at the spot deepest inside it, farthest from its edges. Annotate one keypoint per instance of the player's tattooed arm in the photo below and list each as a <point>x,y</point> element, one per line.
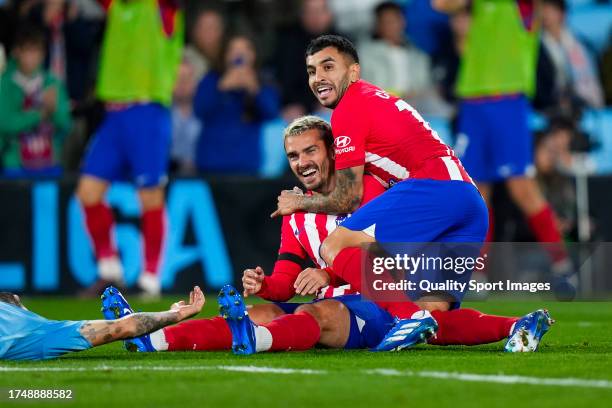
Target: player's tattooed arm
<point>99,332</point>
<point>344,198</point>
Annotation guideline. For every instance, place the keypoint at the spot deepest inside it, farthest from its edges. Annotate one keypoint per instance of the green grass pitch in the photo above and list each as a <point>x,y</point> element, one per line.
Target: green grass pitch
<point>573,368</point>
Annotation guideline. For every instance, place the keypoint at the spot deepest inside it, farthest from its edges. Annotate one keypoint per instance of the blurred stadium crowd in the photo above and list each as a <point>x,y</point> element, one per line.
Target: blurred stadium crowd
<point>258,46</point>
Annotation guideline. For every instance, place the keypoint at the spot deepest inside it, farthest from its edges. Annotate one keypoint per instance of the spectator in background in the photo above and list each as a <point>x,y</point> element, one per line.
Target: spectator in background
<point>206,38</point>
<point>34,111</point>
<point>391,62</point>
<point>72,42</point>
<point>446,64</point>
<point>232,104</point>
<point>186,127</point>
<point>315,19</point>
<point>553,161</point>
<point>575,83</point>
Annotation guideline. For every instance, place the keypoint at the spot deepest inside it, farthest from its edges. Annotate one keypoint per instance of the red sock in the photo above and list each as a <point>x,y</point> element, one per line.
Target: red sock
<point>347,265</point>
<point>544,226</point>
<point>99,221</point>
<point>299,331</point>
<point>153,231</point>
<point>470,327</point>
<point>200,335</point>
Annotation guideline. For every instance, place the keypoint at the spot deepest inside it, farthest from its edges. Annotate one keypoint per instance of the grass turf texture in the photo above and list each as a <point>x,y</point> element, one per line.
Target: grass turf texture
<point>578,346</point>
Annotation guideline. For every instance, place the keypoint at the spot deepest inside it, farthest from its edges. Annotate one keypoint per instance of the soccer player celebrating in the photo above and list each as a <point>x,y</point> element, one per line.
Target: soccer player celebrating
<point>139,62</point>
<point>25,335</point>
<point>338,318</point>
<point>430,198</point>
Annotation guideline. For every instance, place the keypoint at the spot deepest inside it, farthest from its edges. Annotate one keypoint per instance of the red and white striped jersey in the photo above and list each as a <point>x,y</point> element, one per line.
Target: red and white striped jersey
<point>390,138</point>
<point>301,237</point>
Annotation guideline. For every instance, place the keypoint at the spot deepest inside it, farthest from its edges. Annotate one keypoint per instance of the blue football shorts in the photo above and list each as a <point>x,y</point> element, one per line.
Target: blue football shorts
<point>132,144</point>
<point>494,142</point>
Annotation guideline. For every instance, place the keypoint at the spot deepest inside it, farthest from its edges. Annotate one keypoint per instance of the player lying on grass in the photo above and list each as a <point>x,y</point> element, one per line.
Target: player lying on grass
<point>25,335</point>
<point>338,318</point>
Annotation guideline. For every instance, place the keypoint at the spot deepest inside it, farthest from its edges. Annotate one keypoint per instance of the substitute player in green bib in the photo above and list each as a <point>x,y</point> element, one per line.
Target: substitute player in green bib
<point>496,77</point>
<point>139,61</point>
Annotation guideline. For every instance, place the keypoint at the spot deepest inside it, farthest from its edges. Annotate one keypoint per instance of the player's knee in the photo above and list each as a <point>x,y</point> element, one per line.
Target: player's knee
<point>526,193</point>
<point>324,312</point>
<point>90,192</point>
<point>330,248</point>
<point>151,199</point>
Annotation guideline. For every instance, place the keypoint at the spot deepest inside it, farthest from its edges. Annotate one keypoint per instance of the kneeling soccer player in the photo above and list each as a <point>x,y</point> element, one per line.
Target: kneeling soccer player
<point>339,318</point>
<point>25,335</point>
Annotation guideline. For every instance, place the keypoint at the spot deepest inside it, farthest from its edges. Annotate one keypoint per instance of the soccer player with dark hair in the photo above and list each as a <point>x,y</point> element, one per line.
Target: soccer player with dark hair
<point>139,63</point>
<point>25,335</point>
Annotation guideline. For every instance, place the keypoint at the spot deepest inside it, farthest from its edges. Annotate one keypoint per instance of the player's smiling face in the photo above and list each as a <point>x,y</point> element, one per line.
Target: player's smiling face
<point>329,75</point>
<point>310,160</point>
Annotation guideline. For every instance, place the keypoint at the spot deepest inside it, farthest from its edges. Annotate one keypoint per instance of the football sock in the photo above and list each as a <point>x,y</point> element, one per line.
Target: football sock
<point>543,224</point>
<point>153,229</point>
<point>99,222</point>
<point>299,331</point>
<point>347,266</point>
<point>470,327</point>
<point>199,334</point>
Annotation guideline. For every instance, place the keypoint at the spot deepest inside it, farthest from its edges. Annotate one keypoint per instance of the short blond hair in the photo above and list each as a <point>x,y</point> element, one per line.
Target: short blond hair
<point>309,122</point>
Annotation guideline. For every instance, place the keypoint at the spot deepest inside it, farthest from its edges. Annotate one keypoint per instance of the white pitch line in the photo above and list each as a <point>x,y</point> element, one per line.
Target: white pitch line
<point>246,369</point>
<point>442,375</point>
<point>497,378</point>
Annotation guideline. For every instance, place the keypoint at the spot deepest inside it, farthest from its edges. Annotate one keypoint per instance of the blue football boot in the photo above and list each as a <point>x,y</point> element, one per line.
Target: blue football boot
<point>528,332</point>
<point>233,310</point>
<point>408,332</point>
<point>114,306</point>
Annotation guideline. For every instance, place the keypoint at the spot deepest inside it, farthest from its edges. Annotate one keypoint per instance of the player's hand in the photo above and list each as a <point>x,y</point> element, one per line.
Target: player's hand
<point>252,279</point>
<point>289,201</point>
<point>310,280</point>
<point>195,305</point>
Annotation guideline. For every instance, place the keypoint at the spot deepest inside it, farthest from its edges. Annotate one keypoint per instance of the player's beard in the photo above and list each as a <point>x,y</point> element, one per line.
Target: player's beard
<point>340,91</point>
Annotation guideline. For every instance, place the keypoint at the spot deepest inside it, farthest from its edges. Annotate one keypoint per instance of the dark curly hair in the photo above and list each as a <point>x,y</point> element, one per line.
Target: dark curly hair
<point>342,44</point>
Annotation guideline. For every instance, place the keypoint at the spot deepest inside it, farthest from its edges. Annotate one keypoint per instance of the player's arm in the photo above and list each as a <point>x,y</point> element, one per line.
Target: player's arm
<point>99,332</point>
<point>448,6</point>
<point>345,197</point>
<point>279,286</point>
